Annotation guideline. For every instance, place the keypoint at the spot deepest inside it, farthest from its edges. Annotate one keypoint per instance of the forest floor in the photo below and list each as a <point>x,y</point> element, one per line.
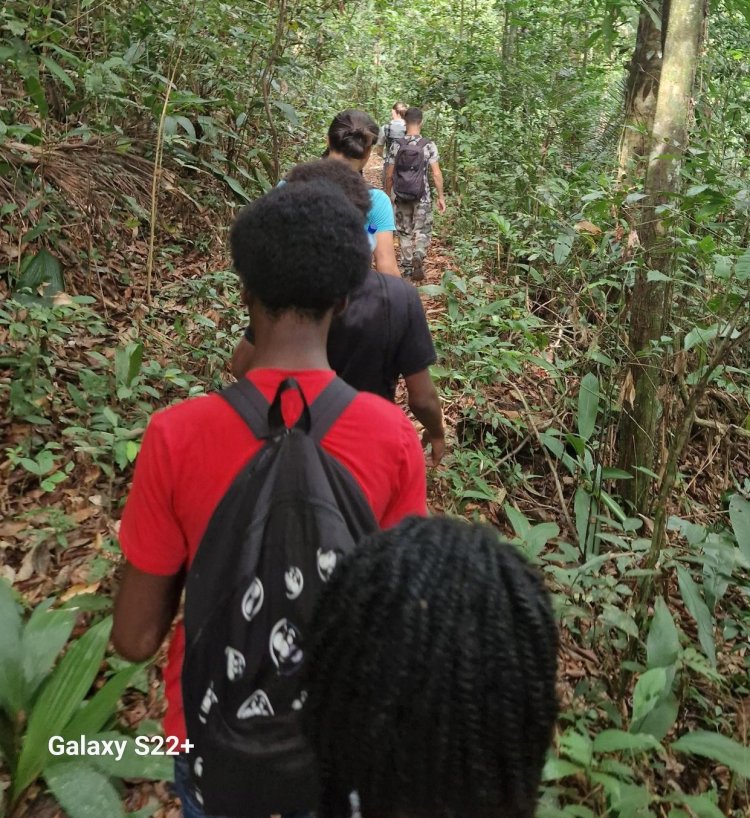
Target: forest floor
<point>63,540</point>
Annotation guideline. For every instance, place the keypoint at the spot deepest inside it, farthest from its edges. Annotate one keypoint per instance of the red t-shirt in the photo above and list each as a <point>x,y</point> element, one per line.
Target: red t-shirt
<point>192,452</point>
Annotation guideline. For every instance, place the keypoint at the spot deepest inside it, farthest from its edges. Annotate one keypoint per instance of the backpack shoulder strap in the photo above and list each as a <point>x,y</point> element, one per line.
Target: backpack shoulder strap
<point>248,401</point>
<point>422,141</point>
<point>327,407</point>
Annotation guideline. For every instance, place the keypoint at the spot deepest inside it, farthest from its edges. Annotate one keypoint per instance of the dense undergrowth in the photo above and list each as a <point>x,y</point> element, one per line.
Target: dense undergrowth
<point>123,152</point>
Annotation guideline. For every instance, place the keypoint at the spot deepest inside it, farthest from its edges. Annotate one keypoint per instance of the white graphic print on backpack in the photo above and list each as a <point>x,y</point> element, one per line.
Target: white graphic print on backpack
<point>235,664</point>
<point>294,582</point>
<point>285,645</point>
<point>209,700</point>
<point>252,602</point>
<point>275,537</point>
<point>256,705</point>
<point>326,563</point>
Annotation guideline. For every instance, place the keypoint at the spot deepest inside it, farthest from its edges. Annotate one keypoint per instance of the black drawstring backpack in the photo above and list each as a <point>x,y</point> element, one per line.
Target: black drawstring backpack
<point>271,544</point>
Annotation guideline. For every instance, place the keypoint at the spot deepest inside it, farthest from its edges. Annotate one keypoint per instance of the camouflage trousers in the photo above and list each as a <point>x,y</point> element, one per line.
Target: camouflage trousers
<point>414,230</point>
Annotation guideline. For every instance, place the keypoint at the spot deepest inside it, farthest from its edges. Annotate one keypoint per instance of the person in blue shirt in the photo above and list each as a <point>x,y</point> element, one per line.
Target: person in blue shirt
<point>350,139</point>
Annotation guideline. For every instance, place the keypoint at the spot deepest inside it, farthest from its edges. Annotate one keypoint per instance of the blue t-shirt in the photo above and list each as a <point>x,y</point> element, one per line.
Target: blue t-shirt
<point>380,217</point>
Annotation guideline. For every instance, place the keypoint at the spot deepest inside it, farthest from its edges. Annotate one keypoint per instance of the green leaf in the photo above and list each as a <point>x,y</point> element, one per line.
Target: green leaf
<point>237,188</point>
<point>99,709</point>
<point>135,762</point>
<point>562,247</point>
<point>57,71</point>
<point>694,190</point>
<point>588,405</point>
<point>34,89</point>
<point>662,718</point>
<point>701,335</point>
<point>44,268</point>
<point>656,275</point>
<point>663,642</point>
<point>578,747</point>
<point>12,695</point>
<point>742,268</point>
<point>615,741</point>
<point>611,473</point>
<point>556,768</point>
<point>649,688</point>
<point>739,515</point>
<point>128,361</point>
<point>718,748</point>
<point>61,696</point>
<point>701,805</point>
<point>187,126</point>
<point>288,111</point>
<point>82,791</point>
<point>540,535</point>
<point>518,520</point>
<point>698,609</point>
<point>619,619</point>
<point>44,636</point>
<point>585,527</point>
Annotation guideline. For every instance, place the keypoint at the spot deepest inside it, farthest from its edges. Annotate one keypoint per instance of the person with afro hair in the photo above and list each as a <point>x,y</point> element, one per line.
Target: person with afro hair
<point>299,251</point>
<point>431,683</point>
<point>382,335</point>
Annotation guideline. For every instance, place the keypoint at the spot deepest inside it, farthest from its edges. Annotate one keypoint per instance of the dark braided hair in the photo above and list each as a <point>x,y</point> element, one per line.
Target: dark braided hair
<point>431,688</point>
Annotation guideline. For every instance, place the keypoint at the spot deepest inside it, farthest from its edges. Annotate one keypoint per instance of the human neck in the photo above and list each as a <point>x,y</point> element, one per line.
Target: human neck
<point>289,341</point>
<point>413,130</point>
<point>354,164</point>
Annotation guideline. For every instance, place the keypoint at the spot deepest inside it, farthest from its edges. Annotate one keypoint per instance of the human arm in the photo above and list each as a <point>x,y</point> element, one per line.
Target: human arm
<point>385,255</point>
<point>380,141</point>
<point>424,403</point>
<point>389,180</point>
<point>437,178</point>
<point>413,356</point>
<point>154,545</point>
<point>242,357</point>
<point>145,606</point>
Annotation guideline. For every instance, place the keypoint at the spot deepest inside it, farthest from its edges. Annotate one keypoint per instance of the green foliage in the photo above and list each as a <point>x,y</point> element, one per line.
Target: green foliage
<point>43,695</point>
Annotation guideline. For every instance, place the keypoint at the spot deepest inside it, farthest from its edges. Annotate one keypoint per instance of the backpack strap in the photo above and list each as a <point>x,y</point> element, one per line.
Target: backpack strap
<point>328,406</point>
<point>248,401</point>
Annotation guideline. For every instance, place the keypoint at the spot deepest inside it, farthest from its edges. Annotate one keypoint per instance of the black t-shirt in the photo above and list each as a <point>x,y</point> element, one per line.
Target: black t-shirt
<point>381,335</point>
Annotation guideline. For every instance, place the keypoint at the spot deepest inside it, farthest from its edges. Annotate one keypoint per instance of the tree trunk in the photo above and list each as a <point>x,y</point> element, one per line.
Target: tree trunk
<point>642,89</point>
<point>651,300</point>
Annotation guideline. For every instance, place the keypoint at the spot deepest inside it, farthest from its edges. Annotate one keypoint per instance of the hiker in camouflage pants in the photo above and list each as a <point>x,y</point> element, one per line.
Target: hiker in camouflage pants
<point>414,218</point>
<point>414,230</point>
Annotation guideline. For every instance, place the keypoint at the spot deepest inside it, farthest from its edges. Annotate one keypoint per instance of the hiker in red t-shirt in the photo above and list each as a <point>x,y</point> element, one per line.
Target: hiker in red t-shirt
<point>299,251</point>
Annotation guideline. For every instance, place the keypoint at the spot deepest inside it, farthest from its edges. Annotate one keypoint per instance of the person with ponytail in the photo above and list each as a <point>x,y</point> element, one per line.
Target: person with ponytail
<point>431,676</point>
<point>351,137</point>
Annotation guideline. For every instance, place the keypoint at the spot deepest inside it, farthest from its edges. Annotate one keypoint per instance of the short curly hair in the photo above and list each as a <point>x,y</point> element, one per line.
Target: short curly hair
<point>300,247</point>
<point>338,173</point>
<point>431,687</point>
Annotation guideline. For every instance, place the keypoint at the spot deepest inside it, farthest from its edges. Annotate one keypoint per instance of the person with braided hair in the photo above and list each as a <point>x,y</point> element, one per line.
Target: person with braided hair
<point>431,688</point>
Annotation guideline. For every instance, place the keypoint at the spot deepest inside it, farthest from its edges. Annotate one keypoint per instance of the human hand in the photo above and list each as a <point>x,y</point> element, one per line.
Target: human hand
<point>437,444</point>
<point>441,204</point>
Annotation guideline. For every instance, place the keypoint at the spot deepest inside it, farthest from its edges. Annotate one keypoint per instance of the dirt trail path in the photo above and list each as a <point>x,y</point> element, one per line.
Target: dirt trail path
<point>437,262</point>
